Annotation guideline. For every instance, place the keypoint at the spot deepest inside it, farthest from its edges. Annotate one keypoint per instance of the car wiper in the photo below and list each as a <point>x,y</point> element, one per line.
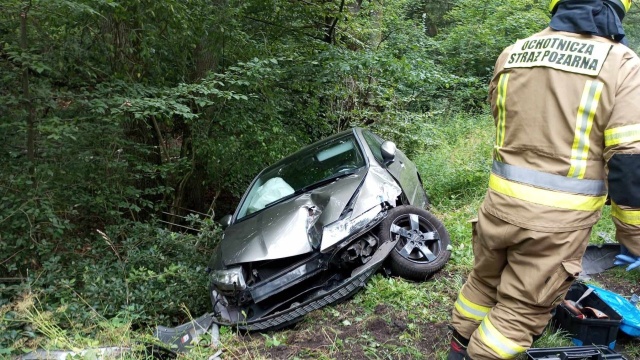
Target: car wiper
<point>325,181</point>
<point>280,200</point>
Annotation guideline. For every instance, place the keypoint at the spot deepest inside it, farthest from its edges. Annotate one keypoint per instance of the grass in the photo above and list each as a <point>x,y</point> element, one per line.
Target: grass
<point>391,319</point>
<point>116,331</point>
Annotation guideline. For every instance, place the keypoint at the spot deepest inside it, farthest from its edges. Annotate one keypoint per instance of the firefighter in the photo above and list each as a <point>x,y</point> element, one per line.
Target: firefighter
<point>566,104</point>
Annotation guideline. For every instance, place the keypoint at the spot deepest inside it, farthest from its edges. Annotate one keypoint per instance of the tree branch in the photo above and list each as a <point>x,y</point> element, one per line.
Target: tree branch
<point>161,143</point>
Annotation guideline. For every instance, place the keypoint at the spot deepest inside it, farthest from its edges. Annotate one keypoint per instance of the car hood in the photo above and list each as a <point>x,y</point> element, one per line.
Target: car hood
<point>281,231</point>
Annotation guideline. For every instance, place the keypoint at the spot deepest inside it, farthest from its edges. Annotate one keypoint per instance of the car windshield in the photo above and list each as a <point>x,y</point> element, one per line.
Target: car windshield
<point>303,171</point>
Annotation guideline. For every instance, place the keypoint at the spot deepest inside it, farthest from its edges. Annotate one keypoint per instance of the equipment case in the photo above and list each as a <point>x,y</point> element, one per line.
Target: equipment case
<point>574,352</point>
<point>588,331</point>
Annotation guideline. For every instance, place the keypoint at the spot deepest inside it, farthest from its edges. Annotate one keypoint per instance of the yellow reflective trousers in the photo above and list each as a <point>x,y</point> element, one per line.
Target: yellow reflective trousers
<point>519,277</point>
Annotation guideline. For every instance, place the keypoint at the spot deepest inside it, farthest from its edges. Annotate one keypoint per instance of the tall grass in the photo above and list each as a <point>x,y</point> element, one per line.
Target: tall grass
<point>455,171</point>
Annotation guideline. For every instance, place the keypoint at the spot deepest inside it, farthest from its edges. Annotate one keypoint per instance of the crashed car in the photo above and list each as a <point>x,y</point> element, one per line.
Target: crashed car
<point>314,227</point>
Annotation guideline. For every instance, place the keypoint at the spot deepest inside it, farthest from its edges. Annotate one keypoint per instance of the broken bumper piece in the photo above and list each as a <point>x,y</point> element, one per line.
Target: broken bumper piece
<point>344,290</point>
<point>182,338</point>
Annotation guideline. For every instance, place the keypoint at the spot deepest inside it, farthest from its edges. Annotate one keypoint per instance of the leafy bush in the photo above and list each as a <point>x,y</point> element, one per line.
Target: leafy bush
<point>136,270</point>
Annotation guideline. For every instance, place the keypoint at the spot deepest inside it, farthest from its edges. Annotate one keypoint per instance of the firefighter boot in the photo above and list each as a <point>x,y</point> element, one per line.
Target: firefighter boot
<point>458,350</point>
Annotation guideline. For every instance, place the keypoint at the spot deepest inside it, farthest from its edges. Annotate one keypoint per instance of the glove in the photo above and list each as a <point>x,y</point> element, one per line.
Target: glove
<point>627,258</point>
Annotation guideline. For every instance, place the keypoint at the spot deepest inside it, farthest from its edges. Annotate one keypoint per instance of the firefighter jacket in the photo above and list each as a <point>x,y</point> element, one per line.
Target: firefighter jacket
<point>567,114</point>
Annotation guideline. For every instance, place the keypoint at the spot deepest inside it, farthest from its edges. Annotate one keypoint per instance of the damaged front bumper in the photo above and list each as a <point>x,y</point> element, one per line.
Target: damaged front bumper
<point>228,315</point>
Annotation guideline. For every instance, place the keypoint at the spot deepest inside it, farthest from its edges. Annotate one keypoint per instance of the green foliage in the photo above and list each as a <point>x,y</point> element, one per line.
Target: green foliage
<point>149,274</point>
<point>274,340</point>
<point>553,338</point>
<point>147,277</point>
<point>604,231</point>
<point>482,30</point>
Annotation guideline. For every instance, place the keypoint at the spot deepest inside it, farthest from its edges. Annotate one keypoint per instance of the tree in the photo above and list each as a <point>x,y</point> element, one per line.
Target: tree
<point>480,32</point>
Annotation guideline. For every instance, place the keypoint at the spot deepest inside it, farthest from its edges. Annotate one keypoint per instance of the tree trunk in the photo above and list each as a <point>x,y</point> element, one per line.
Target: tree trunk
<point>28,103</point>
<point>330,28</point>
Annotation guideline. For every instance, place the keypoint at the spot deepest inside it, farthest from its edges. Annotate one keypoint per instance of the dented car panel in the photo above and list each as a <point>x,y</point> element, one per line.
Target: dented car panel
<point>276,232</point>
<point>402,170</point>
<point>379,187</point>
<point>311,230</point>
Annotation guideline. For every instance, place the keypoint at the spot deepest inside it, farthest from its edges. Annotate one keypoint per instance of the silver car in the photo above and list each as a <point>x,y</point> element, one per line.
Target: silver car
<point>314,227</point>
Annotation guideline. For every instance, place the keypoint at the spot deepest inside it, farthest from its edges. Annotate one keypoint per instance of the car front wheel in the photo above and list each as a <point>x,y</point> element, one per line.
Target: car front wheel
<point>422,242</point>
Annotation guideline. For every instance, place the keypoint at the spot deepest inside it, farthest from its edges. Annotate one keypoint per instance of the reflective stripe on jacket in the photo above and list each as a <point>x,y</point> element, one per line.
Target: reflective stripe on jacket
<point>563,105</point>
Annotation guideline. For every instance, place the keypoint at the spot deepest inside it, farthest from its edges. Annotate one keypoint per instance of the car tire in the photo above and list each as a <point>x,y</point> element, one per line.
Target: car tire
<point>423,242</point>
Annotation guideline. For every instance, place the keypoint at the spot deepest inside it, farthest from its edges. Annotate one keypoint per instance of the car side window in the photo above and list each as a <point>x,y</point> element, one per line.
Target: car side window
<point>374,143</point>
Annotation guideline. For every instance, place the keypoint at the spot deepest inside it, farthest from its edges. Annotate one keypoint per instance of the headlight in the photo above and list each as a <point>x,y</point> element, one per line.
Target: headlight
<point>230,279</point>
<point>342,228</point>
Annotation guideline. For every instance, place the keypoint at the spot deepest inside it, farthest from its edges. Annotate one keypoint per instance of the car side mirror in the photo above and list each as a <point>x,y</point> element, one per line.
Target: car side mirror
<point>225,221</point>
<point>388,150</point>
